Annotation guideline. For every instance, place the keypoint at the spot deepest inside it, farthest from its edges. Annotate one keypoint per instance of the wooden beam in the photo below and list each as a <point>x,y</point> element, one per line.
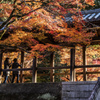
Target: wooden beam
<point>22,63</point>
<point>72,65</point>
<point>52,65</point>
<point>84,61</point>
<point>19,69</point>
<point>89,72</point>
<point>34,76</point>
<point>39,68</point>
<point>1,54</point>
<point>49,68</point>
<point>94,28</point>
<point>79,73</point>
<point>87,66</point>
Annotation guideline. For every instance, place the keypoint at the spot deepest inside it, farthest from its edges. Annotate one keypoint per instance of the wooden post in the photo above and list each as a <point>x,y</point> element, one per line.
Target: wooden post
<point>22,63</point>
<point>1,54</point>
<point>84,61</point>
<point>52,65</point>
<point>72,63</point>
<point>34,76</point>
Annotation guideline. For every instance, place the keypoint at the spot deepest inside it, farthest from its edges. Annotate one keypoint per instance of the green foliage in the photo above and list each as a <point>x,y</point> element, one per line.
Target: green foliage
<point>7,1</point>
<point>45,62</point>
<point>57,63</point>
<point>46,96</point>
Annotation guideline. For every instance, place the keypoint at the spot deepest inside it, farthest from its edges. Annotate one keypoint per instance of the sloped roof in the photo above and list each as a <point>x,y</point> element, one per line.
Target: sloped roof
<point>88,15</point>
<point>91,15</point>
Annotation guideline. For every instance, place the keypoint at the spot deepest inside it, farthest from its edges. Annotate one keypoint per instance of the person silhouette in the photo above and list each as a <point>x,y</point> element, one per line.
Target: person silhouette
<point>15,65</point>
<point>6,66</point>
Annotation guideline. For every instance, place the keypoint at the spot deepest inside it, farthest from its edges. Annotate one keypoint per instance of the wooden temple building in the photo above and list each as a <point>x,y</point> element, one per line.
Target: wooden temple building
<point>93,18</point>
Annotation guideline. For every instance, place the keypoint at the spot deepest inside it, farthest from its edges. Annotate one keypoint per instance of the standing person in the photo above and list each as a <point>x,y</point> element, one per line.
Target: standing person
<point>15,65</point>
<point>6,66</point>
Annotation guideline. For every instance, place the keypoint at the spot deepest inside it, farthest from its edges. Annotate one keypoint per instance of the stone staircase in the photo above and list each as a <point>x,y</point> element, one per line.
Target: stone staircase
<point>77,90</point>
<point>95,95</point>
<point>86,90</point>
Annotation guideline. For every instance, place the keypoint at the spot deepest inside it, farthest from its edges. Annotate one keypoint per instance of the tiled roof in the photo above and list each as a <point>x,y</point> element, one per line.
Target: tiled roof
<point>88,15</point>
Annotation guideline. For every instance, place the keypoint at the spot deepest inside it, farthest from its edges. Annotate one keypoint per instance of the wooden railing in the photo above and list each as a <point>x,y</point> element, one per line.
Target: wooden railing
<point>87,66</point>
<point>51,68</point>
<point>20,69</point>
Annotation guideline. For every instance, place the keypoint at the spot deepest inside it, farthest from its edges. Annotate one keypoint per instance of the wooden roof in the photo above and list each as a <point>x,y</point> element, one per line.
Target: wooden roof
<point>92,17</point>
<point>88,16</point>
<point>6,48</point>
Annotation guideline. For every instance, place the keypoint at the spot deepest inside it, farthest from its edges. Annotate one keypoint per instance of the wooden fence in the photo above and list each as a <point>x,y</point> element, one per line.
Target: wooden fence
<point>34,70</point>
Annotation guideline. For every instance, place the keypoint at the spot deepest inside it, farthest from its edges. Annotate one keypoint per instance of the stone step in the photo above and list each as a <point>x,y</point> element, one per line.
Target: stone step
<point>77,90</point>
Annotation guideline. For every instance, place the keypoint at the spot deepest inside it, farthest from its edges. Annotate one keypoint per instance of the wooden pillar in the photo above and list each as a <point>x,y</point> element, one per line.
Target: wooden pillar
<point>72,64</point>
<point>34,76</point>
<point>1,54</point>
<point>52,65</point>
<point>84,61</point>
<point>22,63</point>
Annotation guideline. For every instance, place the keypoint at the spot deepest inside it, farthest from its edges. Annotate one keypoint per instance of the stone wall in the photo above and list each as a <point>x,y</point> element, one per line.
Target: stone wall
<point>47,91</point>
<point>30,91</point>
<point>77,90</point>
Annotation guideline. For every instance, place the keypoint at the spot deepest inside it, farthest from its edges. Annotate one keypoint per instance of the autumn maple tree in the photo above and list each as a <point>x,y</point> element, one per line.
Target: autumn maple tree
<point>40,25</point>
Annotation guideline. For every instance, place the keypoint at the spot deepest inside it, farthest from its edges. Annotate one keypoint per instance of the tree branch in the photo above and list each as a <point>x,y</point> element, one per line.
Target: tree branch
<point>4,23</point>
<point>19,16</point>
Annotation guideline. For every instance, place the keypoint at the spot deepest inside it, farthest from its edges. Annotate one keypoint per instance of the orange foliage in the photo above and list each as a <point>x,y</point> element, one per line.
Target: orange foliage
<point>92,57</point>
<point>33,23</point>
